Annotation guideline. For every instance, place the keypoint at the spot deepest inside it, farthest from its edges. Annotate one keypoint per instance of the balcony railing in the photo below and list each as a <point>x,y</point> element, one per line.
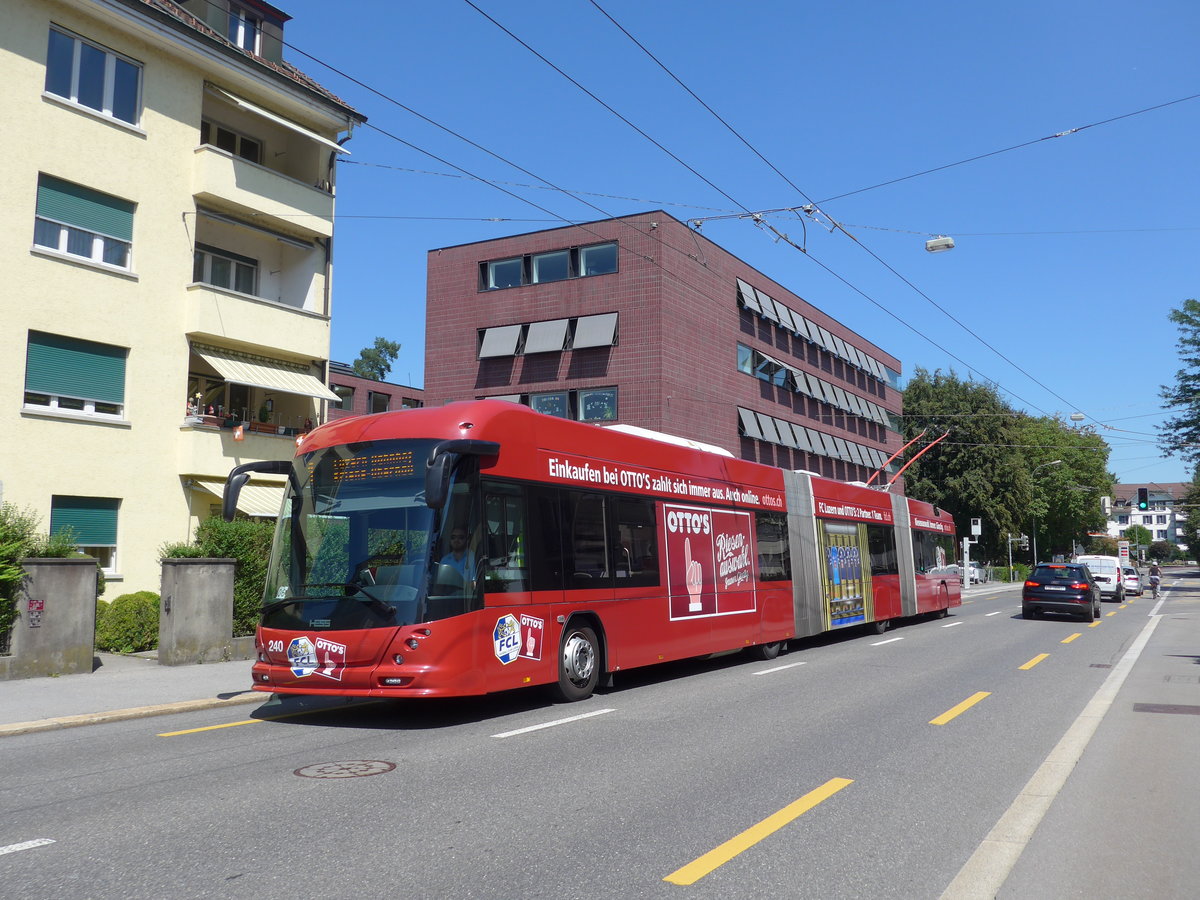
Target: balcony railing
<point>224,180</point>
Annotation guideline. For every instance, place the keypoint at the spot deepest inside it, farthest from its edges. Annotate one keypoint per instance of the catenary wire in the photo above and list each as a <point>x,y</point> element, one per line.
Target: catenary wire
<point>870,252</point>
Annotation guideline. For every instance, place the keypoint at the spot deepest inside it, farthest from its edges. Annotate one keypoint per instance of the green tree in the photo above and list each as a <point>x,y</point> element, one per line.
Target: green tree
<point>1181,434</point>
<point>1189,528</point>
<point>978,470</point>
<point>1014,471</point>
<point>1163,551</point>
<point>1068,470</point>
<point>375,362</point>
<point>1137,535</point>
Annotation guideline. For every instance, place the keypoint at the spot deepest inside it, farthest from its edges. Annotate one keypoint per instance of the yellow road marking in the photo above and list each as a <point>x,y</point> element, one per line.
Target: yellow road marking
<point>1037,659</point>
<point>291,715</point>
<point>1113,613</point>
<point>1094,624</point>
<point>717,857</point>
<point>1068,640</point>
<point>210,728</point>
<point>960,709</point>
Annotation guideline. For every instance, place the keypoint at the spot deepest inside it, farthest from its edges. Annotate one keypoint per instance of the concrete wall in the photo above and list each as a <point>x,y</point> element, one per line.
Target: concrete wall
<point>195,620</point>
<point>56,620</point>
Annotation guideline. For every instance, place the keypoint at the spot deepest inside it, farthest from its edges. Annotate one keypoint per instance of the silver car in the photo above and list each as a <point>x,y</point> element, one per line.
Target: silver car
<point>1132,580</point>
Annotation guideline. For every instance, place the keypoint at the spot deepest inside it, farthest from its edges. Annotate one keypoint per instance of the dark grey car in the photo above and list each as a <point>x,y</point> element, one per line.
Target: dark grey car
<point>1061,588</point>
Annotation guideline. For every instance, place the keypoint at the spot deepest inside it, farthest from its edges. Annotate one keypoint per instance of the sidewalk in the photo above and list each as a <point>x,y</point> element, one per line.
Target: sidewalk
<point>122,687</point>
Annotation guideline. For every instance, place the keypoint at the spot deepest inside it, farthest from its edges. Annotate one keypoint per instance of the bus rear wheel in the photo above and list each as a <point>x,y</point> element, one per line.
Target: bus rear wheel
<point>767,651</point>
<point>578,664</point>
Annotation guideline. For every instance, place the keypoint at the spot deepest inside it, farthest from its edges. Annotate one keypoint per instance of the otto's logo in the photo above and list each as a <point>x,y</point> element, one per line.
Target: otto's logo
<point>685,522</point>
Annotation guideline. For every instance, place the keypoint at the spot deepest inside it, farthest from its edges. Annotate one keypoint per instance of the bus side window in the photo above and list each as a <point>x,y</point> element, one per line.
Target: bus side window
<point>545,553</point>
<point>505,543</point>
<point>774,553</point>
<point>881,542</point>
<point>636,542</point>
<point>587,540</point>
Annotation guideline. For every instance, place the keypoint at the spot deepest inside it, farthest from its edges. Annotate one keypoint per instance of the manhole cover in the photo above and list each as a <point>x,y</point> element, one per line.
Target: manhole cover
<point>351,768</point>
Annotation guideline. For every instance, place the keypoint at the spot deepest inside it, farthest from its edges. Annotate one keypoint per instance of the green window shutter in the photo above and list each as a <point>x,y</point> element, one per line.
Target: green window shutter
<point>92,519</point>
<point>84,208</point>
<point>69,367</point>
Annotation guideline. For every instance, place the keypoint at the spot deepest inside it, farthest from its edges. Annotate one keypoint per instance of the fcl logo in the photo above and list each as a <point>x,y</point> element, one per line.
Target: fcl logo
<point>506,639</point>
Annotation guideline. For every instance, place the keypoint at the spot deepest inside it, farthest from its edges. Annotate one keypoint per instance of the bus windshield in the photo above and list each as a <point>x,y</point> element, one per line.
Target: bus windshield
<point>354,548</point>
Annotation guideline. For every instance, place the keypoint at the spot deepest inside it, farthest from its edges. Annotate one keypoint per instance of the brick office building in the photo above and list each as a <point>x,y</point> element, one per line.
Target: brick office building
<point>359,396</point>
<point>642,321</point>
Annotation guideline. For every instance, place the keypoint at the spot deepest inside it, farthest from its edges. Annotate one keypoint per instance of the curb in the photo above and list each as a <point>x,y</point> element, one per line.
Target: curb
<point>137,712</point>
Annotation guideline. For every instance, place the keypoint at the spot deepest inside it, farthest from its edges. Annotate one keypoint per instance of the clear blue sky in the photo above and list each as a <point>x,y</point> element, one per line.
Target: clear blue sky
<point>1070,251</point>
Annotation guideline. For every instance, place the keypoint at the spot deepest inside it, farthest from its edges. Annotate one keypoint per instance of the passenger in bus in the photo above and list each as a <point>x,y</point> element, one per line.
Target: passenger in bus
<point>461,558</point>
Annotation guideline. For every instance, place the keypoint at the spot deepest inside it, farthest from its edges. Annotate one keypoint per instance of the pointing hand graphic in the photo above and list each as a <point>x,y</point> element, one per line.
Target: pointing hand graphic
<point>693,576</point>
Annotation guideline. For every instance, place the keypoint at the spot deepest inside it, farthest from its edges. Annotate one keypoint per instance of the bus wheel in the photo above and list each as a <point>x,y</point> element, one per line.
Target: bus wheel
<point>767,651</point>
<point>879,626</point>
<point>578,664</point>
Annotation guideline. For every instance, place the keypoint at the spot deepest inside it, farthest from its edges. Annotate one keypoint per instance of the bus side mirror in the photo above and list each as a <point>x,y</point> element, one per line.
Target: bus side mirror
<point>239,475</point>
<point>437,479</point>
<point>441,462</point>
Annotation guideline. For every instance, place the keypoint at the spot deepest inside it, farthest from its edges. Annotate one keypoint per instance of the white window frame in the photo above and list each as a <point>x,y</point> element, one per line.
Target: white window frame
<point>491,272</point>
<point>584,252</point>
<point>73,406</point>
<point>207,254</point>
<point>550,255</point>
<point>239,18</point>
<point>98,243</point>
<point>110,78</point>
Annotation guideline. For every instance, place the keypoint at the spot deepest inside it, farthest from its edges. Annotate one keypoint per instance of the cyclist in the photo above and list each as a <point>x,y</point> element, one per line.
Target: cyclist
<point>1155,578</point>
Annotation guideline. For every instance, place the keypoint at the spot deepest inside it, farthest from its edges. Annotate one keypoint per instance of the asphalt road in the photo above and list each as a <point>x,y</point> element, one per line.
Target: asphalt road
<point>820,774</point>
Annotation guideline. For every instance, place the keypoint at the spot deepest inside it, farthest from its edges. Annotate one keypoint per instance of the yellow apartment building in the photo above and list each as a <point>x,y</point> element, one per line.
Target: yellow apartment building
<point>167,225</point>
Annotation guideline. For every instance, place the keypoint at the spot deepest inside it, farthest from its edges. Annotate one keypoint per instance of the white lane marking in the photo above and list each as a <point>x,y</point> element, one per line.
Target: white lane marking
<point>888,641</point>
<point>26,845</point>
<point>778,669</point>
<point>989,866</point>
<point>996,613</point>
<point>597,712</point>
<point>952,624</point>
<point>1157,606</point>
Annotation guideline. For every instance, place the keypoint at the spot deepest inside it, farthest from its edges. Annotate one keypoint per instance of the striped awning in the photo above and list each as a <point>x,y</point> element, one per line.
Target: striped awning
<point>261,372</point>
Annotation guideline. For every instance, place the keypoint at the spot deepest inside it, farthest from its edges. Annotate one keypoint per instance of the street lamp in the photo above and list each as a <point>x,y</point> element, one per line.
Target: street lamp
<point>1056,462</point>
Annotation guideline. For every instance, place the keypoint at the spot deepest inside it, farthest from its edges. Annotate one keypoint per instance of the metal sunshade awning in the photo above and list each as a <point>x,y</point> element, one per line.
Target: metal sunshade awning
<point>595,331</point>
<point>274,117</point>
<point>546,337</point>
<point>260,372</point>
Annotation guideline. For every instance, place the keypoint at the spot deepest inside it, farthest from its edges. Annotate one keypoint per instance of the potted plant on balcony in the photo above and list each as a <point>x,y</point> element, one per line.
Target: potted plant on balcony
<point>264,417</point>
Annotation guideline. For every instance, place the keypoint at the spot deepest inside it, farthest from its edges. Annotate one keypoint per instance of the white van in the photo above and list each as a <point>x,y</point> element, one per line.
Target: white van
<point>1107,572</point>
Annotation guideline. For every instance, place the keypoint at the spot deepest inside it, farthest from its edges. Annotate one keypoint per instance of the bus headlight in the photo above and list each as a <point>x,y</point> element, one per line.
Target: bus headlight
<point>398,659</point>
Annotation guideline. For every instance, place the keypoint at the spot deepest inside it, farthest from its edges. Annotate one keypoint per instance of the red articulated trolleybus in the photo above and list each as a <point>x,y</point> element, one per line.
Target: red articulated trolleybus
<point>481,546</point>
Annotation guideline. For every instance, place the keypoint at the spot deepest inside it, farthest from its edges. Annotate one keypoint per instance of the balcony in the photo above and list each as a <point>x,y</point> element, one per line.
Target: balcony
<point>227,316</point>
<point>211,450</point>
<point>227,182</point>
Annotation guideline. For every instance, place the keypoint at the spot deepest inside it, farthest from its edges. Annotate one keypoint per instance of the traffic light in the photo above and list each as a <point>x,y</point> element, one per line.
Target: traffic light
<point>1143,500</point>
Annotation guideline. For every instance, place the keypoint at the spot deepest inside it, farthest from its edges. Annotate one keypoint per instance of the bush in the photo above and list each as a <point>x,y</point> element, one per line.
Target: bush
<point>129,624</point>
<point>248,543</point>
